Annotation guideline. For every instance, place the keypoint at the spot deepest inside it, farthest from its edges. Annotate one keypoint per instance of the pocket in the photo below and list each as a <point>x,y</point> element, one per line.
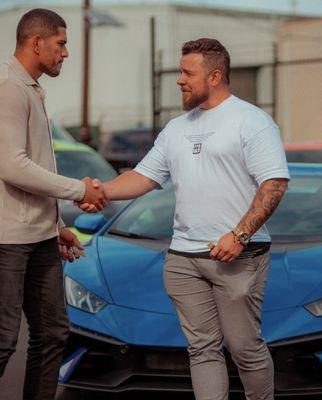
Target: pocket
<point>250,263</point>
<point>166,262</point>
<point>238,266</point>
<point>25,204</point>
<point>167,255</point>
<point>262,262</point>
<point>22,207</point>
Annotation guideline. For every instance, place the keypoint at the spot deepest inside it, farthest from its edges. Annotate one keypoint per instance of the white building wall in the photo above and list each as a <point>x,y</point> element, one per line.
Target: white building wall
<point>120,94</point>
<point>249,39</point>
<point>299,100</point>
<point>63,93</point>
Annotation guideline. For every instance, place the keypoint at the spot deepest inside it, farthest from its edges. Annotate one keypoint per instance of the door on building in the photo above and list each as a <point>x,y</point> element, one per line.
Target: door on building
<point>243,83</point>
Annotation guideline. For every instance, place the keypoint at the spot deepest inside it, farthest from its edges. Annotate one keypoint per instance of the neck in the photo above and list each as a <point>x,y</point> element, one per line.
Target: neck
<point>220,95</point>
<point>28,63</point>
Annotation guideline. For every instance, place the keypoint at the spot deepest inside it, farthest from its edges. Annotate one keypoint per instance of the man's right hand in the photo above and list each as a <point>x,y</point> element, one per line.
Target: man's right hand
<point>126,186</point>
<point>94,196</point>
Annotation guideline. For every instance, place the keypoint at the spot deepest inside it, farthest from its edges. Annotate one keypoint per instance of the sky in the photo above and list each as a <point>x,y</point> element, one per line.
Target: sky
<point>296,7</point>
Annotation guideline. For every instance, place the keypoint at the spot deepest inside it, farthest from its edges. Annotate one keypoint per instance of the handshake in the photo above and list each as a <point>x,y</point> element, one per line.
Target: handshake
<point>95,198</point>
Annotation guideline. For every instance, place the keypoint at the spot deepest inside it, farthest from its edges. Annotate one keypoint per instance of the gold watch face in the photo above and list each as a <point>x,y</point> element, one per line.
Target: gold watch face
<point>244,238</point>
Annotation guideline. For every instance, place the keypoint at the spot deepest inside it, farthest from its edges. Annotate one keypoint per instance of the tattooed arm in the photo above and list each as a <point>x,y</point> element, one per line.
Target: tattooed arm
<point>266,199</point>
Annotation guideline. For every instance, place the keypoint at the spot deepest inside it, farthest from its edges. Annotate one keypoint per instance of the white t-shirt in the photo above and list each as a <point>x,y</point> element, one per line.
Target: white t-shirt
<point>216,158</point>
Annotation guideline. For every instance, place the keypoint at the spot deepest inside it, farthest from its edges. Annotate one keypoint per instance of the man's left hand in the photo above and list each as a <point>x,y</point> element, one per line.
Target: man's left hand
<point>68,242</point>
<point>227,248</point>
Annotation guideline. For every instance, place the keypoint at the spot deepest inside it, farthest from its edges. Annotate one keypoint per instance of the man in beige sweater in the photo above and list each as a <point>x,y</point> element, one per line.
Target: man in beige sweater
<point>30,262</point>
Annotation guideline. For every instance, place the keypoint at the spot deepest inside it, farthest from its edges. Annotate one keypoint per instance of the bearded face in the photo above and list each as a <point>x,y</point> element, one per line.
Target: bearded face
<point>53,52</point>
<point>193,81</point>
<point>193,97</point>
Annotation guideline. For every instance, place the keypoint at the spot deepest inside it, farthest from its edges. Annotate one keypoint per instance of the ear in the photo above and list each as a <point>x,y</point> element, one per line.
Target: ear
<point>36,43</point>
<point>215,77</point>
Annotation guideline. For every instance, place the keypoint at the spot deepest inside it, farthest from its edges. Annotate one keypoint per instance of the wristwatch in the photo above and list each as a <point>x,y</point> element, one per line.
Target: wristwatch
<point>242,237</point>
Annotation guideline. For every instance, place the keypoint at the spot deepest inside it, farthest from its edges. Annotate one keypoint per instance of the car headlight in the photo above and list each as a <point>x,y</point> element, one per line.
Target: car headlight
<point>80,297</point>
<point>314,308</point>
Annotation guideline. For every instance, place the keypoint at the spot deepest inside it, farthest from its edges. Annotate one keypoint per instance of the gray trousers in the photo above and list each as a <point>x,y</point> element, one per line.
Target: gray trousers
<point>31,280</point>
<point>218,301</point>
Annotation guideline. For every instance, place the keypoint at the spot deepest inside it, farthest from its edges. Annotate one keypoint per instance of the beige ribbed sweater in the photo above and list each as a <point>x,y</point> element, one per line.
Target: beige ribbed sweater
<point>29,184</point>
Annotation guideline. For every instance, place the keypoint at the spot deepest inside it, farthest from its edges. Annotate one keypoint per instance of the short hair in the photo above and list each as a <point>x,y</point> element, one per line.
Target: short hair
<point>214,54</point>
<point>38,21</point>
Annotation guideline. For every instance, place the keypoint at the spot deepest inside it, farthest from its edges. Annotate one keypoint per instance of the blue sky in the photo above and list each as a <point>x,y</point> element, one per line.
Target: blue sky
<point>297,7</point>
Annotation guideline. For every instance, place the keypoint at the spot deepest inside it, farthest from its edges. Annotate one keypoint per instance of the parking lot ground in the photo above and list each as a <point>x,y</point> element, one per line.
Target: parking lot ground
<point>77,395</point>
<point>11,383</point>
<point>69,395</point>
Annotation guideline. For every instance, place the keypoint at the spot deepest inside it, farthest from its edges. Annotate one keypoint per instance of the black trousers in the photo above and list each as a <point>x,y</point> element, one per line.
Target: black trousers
<point>31,280</point>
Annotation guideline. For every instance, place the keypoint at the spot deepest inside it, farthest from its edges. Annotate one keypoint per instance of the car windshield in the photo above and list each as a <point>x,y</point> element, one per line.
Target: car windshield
<point>298,217</point>
<point>151,216</point>
<point>78,164</point>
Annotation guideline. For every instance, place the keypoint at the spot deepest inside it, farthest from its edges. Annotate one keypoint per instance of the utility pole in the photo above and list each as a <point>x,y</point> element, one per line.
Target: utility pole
<point>274,80</point>
<point>84,133</point>
<point>91,18</point>
<point>156,73</point>
<point>153,77</point>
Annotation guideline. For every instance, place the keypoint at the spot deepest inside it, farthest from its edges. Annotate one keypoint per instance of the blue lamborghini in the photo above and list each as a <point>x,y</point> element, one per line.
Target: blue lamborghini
<point>125,334</point>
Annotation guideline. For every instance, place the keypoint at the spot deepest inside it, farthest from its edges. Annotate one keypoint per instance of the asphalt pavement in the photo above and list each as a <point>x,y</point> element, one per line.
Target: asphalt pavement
<point>11,382</point>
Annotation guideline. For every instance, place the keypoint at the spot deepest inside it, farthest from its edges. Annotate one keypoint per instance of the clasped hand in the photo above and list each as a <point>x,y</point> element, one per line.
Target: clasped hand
<point>95,198</point>
<point>227,248</point>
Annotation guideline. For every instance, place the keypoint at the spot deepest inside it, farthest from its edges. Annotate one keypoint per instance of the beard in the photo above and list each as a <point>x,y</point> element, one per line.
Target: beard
<point>194,101</point>
<point>52,74</point>
<point>52,70</point>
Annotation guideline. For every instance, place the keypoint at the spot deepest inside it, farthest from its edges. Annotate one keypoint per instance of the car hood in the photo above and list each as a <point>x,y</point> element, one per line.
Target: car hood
<point>133,272</point>
<point>294,276</point>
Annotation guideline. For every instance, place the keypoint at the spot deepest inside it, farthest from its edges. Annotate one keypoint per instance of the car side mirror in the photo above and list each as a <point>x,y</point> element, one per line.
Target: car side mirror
<point>90,223</point>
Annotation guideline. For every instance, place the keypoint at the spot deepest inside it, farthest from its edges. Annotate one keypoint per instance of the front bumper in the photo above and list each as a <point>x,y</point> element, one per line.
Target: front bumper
<point>110,365</point>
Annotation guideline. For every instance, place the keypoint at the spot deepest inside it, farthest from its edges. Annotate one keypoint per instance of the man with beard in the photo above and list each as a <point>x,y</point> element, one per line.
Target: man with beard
<point>30,264</point>
<point>229,173</point>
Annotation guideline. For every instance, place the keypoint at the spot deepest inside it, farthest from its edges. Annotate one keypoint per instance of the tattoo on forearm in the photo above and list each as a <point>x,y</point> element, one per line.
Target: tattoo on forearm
<point>267,198</point>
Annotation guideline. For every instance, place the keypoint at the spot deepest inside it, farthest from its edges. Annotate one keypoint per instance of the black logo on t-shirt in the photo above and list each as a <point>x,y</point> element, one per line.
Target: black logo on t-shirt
<point>196,148</point>
<point>197,139</point>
